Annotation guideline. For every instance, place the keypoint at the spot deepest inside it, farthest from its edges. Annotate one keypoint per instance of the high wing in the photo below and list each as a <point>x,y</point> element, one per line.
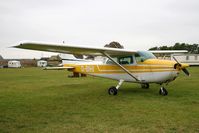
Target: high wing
<point>82,50</point>
<point>71,49</point>
<point>167,51</point>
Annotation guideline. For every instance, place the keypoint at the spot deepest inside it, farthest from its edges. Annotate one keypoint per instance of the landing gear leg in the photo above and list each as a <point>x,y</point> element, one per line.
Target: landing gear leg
<point>163,91</point>
<point>113,90</point>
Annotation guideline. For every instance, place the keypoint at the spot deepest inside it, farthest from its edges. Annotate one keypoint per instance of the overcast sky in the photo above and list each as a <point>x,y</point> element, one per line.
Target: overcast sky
<point>136,24</point>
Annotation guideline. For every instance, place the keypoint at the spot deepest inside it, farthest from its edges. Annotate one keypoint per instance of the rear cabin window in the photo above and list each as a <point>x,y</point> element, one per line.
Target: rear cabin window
<point>111,62</point>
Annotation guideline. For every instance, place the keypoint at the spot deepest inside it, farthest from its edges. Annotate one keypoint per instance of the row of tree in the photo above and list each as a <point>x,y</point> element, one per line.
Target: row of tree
<point>191,48</point>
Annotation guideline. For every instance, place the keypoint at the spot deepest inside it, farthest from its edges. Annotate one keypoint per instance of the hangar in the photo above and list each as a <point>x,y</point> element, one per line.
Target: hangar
<point>191,59</point>
<point>181,55</point>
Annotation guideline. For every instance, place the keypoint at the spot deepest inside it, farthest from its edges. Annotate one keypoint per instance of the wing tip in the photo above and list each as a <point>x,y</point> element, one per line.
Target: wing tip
<point>20,44</point>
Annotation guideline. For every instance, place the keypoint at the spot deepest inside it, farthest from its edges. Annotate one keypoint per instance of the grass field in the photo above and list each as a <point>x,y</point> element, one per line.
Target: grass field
<point>34,100</point>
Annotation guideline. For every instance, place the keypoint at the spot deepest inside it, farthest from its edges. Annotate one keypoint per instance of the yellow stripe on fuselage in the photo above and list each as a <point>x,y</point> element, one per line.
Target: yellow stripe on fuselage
<point>150,65</point>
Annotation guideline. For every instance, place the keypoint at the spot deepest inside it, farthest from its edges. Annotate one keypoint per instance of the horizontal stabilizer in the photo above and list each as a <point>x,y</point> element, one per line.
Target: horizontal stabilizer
<point>57,68</point>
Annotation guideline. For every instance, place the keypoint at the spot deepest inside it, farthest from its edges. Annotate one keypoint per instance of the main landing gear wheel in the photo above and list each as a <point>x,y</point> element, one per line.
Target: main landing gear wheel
<point>145,86</point>
<point>163,91</point>
<point>112,90</point>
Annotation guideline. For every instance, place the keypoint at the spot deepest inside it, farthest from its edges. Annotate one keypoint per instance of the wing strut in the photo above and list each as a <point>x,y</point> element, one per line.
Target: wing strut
<point>123,68</point>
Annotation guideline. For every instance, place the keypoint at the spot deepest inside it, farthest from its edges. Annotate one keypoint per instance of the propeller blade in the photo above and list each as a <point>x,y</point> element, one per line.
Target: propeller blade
<point>186,71</point>
<point>176,59</point>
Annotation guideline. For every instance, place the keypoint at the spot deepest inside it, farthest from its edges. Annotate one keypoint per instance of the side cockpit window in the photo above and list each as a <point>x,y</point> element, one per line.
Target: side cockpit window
<point>121,60</point>
<point>125,60</point>
<point>138,58</point>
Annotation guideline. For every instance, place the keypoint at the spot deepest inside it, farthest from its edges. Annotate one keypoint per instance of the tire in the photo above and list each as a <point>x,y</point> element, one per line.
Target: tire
<point>112,90</point>
<point>163,91</point>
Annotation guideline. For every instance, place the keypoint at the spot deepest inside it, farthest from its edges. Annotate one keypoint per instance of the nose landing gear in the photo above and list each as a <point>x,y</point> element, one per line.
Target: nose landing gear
<point>163,91</point>
<point>112,90</point>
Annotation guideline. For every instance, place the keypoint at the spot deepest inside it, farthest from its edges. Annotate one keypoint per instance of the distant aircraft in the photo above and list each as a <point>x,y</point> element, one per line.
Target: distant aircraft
<point>123,65</point>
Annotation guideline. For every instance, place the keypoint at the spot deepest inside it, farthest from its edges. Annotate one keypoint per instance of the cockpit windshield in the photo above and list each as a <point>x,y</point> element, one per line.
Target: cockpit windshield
<point>141,56</point>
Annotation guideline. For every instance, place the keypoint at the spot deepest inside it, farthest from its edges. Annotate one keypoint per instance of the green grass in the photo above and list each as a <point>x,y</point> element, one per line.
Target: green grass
<point>34,100</point>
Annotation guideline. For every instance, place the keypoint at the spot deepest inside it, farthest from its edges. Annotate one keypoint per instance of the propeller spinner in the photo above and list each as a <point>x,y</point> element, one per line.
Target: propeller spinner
<point>181,66</point>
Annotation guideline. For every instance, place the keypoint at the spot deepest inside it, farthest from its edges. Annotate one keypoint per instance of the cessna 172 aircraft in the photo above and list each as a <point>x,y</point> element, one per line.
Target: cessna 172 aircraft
<point>140,67</point>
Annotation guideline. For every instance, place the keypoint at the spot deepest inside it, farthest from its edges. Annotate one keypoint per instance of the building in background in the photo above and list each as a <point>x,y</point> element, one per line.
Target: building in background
<point>181,55</point>
<point>191,59</point>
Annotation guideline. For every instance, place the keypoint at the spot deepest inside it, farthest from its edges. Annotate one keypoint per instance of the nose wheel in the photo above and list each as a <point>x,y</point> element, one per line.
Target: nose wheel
<point>112,90</point>
<point>163,91</point>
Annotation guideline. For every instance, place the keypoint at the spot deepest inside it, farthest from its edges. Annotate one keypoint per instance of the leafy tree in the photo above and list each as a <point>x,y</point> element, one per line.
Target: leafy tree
<point>154,48</point>
<point>114,45</point>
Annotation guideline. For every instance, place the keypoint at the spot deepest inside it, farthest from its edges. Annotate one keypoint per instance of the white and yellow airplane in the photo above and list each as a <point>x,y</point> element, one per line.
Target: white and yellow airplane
<point>123,65</point>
